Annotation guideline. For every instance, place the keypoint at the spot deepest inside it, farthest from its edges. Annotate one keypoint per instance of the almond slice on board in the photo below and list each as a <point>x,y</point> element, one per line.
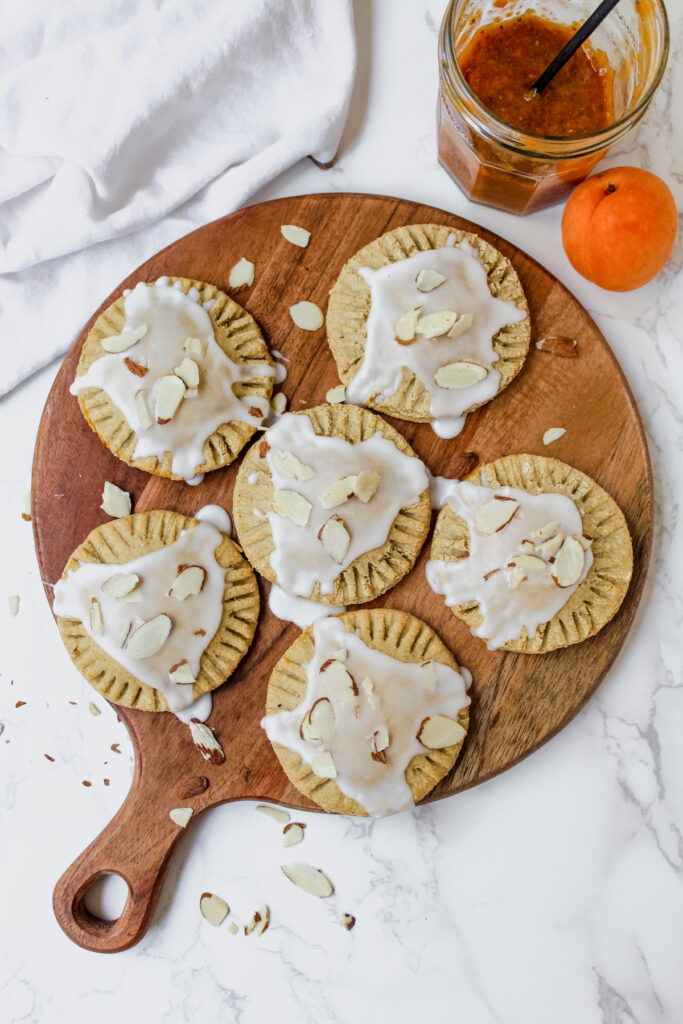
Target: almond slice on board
<point>553,434</point>
<point>293,506</point>
<point>181,815</point>
<point>307,316</point>
<point>242,274</point>
<point>405,328</point>
<point>336,394</point>
<point>296,235</point>
<point>206,743</point>
<point>308,878</point>
<point>495,514</point>
<point>115,502</point>
<point>439,731</point>
<point>125,340</point>
<point>463,374</point>
<point>428,279</point>
<point>149,638</point>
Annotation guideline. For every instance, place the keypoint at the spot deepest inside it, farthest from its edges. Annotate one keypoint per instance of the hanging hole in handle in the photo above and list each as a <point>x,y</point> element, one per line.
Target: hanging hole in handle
<point>101,901</point>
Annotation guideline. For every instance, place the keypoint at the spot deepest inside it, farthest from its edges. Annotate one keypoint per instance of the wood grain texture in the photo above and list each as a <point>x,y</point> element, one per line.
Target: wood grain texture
<point>519,701</point>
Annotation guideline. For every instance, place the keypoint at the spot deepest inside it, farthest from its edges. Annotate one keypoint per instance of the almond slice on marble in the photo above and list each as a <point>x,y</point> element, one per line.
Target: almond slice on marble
<point>568,564</point>
<point>348,920</point>
<point>463,374</point>
<point>93,709</point>
<point>242,274</point>
<point>585,541</point>
<point>206,743</point>
<point>26,501</point>
<point>125,340</point>
<point>13,604</point>
<point>428,279</point>
<point>281,817</point>
<point>195,346</point>
<point>439,731</point>
<point>529,563</point>
<point>317,725</point>
<point>308,878</point>
<point>121,584</point>
<point>296,235</point>
<point>188,371</point>
<point>307,315</point>
<point>380,744</point>
<point>293,833</point>
<point>548,548</point>
<point>232,928</point>
<point>338,493</point>
<point>553,434</point>
<point>188,582</point>
<point>213,909</point>
<point>96,620</point>
<point>181,815</point>
<point>181,673</point>
<point>258,922</point>
<point>337,681</point>
<point>556,345</point>
<point>145,418</point>
<point>149,638</point>
<point>322,765</point>
<point>517,577</point>
<point>278,403</point>
<point>336,394</point>
<point>366,485</point>
<point>369,688</point>
<point>115,502</point>
<point>137,369</point>
<point>292,505</point>
<point>335,538</point>
<point>434,325</point>
<point>405,328</point>
<point>495,514</point>
<point>289,465</point>
<point>462,324</point>
<point>170,393</point>
<point>428,676</point>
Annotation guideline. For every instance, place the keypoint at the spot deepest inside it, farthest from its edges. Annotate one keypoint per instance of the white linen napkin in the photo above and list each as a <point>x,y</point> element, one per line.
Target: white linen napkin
<point>126,123</point>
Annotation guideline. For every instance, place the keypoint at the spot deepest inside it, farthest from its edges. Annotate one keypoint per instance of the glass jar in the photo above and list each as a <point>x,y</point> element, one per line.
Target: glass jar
<point>512,169</point>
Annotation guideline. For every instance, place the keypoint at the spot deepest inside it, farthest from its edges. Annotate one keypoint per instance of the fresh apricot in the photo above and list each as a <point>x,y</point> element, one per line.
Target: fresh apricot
<point>619,227</point>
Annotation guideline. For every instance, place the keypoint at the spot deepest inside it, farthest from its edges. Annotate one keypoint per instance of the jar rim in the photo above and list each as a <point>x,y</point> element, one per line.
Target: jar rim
<point>593,140</point>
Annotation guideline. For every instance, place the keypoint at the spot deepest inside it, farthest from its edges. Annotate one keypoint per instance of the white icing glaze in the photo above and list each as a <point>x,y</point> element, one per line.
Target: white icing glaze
<point>439,489</point>
<point>393,291</point>
<point>402,702</point>
<point>171,317</point>
<point>157,571</point>
<point>195,481</point>
<point>217,516</point>
<point>299,610</point>
<point>280,373</point>
<point>505,610</point>
<point>278,355</point>
<point>299,558</point>
<point>199,710</point>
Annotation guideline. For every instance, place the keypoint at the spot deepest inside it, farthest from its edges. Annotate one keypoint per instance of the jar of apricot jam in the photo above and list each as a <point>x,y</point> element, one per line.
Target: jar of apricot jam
<point>519,151</point>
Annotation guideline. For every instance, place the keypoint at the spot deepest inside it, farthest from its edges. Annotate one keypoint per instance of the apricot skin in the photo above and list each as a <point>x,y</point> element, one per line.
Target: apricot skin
<point>619,227</point>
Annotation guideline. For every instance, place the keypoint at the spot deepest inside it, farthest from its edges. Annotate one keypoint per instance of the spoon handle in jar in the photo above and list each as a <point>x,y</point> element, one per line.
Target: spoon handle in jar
<point>570,48</point>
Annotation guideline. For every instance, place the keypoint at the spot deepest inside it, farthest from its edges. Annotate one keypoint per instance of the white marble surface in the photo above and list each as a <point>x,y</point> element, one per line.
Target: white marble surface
<point>552,893</point>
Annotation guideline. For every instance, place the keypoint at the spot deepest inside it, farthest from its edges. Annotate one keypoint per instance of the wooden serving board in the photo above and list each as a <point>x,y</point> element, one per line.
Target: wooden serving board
<point>518,701</point>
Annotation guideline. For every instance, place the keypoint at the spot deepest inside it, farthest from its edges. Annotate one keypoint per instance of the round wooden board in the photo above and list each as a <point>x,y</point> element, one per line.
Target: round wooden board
<point>518,701</point>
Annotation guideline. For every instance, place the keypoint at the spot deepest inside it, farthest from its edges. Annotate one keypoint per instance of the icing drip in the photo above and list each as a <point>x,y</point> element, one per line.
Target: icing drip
<point>507,609</point>
<point>171,317</point>
<point>217,516</point>
<point>299,558</point>
<point>157,571</point>
<point>299,610</point>
<point>393,291</point>
<point>397,699</point>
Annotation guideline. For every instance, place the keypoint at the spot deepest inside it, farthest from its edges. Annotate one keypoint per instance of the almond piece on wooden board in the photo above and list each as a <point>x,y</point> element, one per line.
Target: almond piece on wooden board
<point>434,325</point>
<point>137,369</point>
<point>438,731</point>
<point>462,324</point>
<point>120,584</point>
<point>569,562</point>
<point>181,815</point>
<point>145,418</point>
<point>287,464</point>
<point>493,515</point>
<point>213,908</point>
<point>380,744</point>
<point>149,638</point>
<point>188,371</point>
<point>553,434</point>
<point>308,878</point>
<point>365,487</point>
<point>405,328</point>
<point>335,538</point>
<point>307,315</point>
<point>188,582</point>
<point>96,620</point>
<point>317,725</point>
<point>278,403</point>
<point>293,506</point>
<point>170,393</point>
<point>555,345</point>
<point>115,502</point>
<point>242,274</point>
<point>428,279</point>
<point>122,342</point>
<point>322,765</point>
<point>195,346</point>
<point>337,682</point>
<point>296,235</point>
<point>206,743</point>
<point>281,817</point>
<point>463,374</point>
<point>258,922</point>
<point>293,834</point>
<point>338,492</point>
<point>336,394</point>
<point>181,674</point>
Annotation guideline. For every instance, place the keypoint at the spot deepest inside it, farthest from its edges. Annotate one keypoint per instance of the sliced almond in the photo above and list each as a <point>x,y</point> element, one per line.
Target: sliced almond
<point>493,515</point>
<point>296,235</point>
<point>318,723</point>
<point>548,548</point>
<point>439,731</point>
<point>119,640</point>
<point>121,584</point>
<point>281,817</point>
<point>428,676</point>
<point>292,505</point>
<point>517,577</point>
<point>380,744</point>
<point>242,274</point>
<point>188,582</point>
<point>213,909</point>
<point>307,316</point>
<point>558,346</point>
<point>206,743</point>
<point>433,325</point>
<point>96,620</point>
<point>405,328</point>
<point>137,369</point>
<point>188,371</point>
<point>115,502</point>
<point>463,374</point>
<point>93,709</point>
<point>232,928</point>
<point>170,393</point>
<point>369,688</point>
<point>293,834</point>
<point>145,418</point>
<point>308,878</point>
<point>181,815</point>
<point>348,920</point>
<point>278,403</point>
<point>26,514</point>
<point>337,394</point>
<point>181,673</point>
<point>528,546</point>
<point>337,682</point>
<point>366,485</point>
<point>341,654</point>
<point>462,324</point>
<point>568,564</point>
<point>258,922</point>
<point>134,597</point>
<point>553,434</point>
<point>529,563</point>
<point>339,492</point>
<point>289,465</point>
<point>335,538</point>
<point>428,279</point>
<point>13,604</point>
<point>149,638</point>
<point>194,346</point>
<point>585,541</point>
<point>125,340</point>
<point>322,765</point>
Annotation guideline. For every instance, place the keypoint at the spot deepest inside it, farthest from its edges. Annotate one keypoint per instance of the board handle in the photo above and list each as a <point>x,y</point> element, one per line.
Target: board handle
<point>137,845</point>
